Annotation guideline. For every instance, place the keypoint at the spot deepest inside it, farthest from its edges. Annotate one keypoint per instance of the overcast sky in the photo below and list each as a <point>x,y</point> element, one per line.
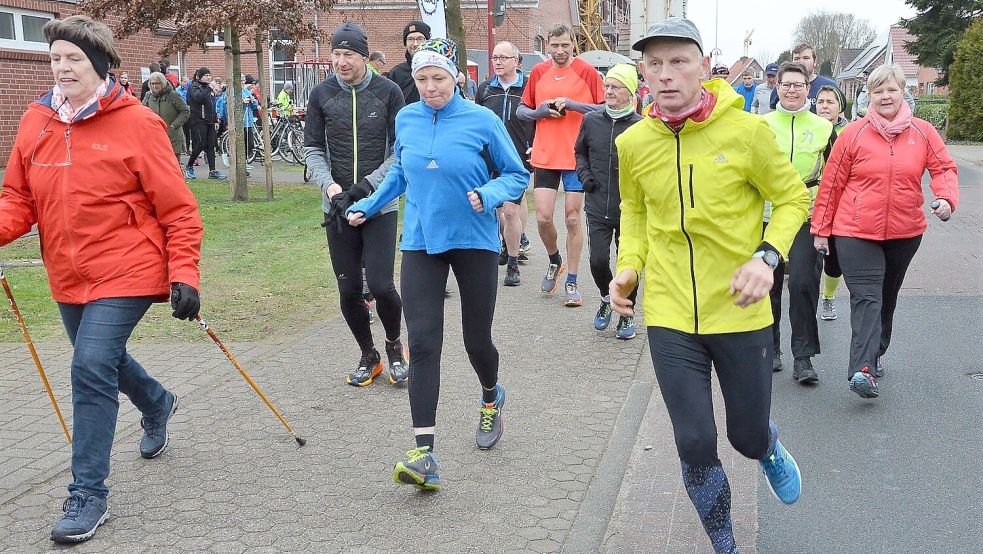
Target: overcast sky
<point>773,22</point>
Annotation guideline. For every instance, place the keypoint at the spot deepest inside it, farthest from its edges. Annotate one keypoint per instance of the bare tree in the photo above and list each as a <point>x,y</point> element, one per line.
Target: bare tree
<point>829,32</point>
<point>764,56</point>
<point>196,21</point>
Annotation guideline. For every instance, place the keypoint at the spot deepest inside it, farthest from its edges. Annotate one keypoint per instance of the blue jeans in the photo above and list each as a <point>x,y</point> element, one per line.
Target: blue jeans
<point>101,369</point>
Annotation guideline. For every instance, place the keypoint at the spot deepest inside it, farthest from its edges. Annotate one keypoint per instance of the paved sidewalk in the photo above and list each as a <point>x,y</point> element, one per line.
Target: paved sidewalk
<point>234,480</point>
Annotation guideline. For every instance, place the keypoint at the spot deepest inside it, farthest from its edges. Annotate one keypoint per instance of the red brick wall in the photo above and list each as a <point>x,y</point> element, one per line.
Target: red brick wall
<point>26,75</point>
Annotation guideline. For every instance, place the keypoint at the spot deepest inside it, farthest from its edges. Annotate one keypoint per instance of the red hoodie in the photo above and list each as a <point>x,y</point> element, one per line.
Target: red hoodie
<point>120,220</point>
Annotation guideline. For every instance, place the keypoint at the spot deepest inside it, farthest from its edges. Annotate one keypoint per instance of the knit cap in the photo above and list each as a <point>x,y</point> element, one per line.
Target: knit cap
<point>626,74</point>
<point>437,52</point>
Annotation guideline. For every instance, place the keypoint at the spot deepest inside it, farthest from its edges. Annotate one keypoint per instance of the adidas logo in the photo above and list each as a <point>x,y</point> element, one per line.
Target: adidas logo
<point>720,159</point>
<point>433,165</point>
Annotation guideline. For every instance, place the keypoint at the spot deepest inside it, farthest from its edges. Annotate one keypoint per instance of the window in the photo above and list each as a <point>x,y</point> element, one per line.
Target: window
<point>21,29</point>
<point>216,39</point>
<point>539,44</point>
<point>281,52</point>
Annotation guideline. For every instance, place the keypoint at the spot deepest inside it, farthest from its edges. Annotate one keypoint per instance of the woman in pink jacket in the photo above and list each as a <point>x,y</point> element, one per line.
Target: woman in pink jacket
<point>870,205</point>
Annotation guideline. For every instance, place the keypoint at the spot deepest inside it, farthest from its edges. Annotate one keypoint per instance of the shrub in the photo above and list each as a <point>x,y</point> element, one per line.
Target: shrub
<point>966,80</point>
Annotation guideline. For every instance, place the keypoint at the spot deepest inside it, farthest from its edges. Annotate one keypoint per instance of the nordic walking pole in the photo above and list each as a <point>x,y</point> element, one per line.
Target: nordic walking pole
<point>204,327</point>
<point>34,353</point>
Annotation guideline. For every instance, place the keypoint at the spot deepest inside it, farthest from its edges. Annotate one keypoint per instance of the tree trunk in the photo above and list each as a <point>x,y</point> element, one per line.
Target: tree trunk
<point>267,163</point>
<point>237,177</point>
<point>455,31</point>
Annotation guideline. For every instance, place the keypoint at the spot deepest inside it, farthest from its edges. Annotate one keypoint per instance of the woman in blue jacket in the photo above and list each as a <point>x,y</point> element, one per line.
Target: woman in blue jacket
<point>456,164</point>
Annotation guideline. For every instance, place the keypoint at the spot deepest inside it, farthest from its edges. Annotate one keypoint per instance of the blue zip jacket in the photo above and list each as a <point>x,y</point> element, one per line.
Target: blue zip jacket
<point>441,155</point>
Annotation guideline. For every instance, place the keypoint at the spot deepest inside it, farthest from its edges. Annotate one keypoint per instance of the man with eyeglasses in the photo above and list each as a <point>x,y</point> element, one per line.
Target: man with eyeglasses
<point>560,90</point>
<point>806,139</point>
<point>415,33</point>
<point>805,55</point>
<point>502,94</point>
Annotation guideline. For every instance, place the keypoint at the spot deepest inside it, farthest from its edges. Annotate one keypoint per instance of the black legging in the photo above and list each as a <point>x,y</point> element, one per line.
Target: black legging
<point>743,365</point>
<point>873,271</point>
<point>805,270</point>
<point>423,278</point>
<point>203,140</point>
<point>600,233</point>
<point>375,242</point>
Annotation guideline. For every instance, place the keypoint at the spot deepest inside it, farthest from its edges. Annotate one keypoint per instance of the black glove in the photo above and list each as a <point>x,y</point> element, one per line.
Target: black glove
<point>184,301</point>
<point>360,190</point>
<point>337,219</point>
<point>590,185</point>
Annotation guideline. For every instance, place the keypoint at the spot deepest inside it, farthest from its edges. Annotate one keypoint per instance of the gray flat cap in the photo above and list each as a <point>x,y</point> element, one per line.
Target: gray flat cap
<point>674,27</point>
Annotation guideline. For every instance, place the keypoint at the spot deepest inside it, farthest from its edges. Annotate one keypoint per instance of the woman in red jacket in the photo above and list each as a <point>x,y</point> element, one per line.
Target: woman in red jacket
<point>119,231</point>
<point>870,203</point>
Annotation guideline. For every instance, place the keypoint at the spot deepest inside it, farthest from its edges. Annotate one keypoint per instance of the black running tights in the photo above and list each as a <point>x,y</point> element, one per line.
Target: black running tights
<point>742,362</point>
<point>423,278</point>
<point>203,139</point>
<point>600,233</point>
<point>374,242</point>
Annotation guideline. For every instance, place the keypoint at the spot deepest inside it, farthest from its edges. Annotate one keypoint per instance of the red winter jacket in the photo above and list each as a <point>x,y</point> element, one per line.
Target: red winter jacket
<point>872,189</point>
<point>120,220</point>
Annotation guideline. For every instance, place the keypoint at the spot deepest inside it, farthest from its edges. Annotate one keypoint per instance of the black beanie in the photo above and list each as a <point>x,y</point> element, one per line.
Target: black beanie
<point>350,37</point>
<point>202,71</point>
<point>416,26</point>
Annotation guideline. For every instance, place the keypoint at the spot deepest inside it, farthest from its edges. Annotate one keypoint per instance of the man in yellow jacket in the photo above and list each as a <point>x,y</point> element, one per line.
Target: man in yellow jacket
<point>695,173</point>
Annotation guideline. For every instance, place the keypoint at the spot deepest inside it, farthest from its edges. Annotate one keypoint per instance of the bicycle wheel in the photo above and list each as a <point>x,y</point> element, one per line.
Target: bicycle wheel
<point>295,142</point>
<point>257,146</point>
<point>283,147</point>
<point>224,148</point>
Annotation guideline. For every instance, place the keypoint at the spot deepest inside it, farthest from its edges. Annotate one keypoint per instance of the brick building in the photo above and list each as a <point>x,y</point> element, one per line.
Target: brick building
<point>25,73</point>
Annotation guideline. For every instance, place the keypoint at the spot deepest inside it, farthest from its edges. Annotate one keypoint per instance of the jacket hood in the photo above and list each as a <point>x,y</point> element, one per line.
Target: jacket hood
<point>114,98</point>
<point>727,99</point>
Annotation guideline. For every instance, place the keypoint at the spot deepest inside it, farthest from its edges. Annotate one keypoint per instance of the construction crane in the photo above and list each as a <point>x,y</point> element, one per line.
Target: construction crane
<point>590,36</point>
<point>747,42</point>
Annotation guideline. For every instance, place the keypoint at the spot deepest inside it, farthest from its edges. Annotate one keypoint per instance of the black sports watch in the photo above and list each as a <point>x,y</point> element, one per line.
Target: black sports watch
<point>770,257</point>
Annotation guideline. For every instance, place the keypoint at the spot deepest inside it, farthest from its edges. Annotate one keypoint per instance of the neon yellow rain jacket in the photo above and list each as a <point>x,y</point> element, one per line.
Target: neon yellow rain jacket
<point>806,139</point>
<point>691,207</point>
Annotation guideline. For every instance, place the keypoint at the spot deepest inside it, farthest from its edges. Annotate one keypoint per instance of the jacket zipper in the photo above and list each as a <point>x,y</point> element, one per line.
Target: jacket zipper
<point>65,196</point>
<point>692,201</point>
<point>891,174</point>
<point>354,137</point>
<point>607,209</point>
<point>689,241</point>
<point>433,134</point>
<point>791,151</point>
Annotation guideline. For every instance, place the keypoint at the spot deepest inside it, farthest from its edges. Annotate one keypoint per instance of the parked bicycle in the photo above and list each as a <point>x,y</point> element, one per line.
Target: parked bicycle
<point>286,138</point>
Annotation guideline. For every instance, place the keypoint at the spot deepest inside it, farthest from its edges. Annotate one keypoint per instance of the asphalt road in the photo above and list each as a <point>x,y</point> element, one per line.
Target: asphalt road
<point>904,472</point>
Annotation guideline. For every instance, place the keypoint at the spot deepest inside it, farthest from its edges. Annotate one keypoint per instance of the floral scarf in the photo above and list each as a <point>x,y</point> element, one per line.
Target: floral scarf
<point>67,112</point>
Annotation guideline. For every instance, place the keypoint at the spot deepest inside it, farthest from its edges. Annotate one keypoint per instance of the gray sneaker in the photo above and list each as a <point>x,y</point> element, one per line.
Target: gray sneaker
<point>829,310</point>
<point>83,515</point>
<point>490,423</point>
<point>803,372</point>
<point>216,174</point>
<point>154,439</point>
<point>572,298</point>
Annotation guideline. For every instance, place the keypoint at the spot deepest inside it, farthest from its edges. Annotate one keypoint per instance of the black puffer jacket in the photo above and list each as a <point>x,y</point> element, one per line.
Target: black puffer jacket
<point>597,162</point>
<point>492,96</point>
<point>202,104</point>
<point>333,144</point>
<point>402,75</point>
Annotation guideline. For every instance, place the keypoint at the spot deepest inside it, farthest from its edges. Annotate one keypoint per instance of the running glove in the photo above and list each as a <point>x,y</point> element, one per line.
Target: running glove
<point>184,301</point>
<point>359,190</point>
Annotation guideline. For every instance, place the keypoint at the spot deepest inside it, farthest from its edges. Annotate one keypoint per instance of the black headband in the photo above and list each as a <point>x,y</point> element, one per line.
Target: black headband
<point>98,58</point>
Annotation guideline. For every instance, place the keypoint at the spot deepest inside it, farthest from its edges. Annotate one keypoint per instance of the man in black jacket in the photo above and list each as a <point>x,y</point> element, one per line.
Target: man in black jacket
<point>203,124</point>
<point>414,34</point>
<point>597,168</point>
<point>349,131</point>
<point>502,94</point>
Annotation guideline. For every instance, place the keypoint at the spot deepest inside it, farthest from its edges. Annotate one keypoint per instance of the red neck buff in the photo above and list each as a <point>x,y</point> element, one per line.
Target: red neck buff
<point>699,112</point>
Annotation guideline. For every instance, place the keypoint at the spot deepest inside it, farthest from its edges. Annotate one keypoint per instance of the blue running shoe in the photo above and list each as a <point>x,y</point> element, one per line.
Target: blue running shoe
<point>490,421</point>
<point>603,317</point>
<point>783,474</point>
<point>420,470</point>
<point>626,328</point>
<point>189,173</point>
<point>864,384</point>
